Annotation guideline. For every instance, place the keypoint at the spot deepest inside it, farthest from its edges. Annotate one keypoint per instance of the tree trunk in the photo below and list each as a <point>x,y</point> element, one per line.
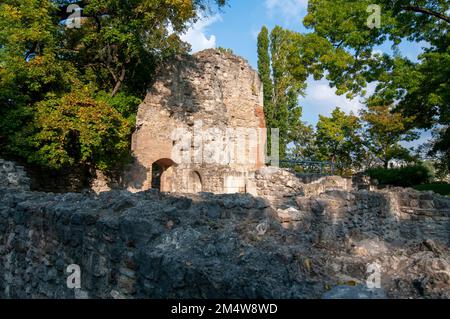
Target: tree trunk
<point>119,82</point>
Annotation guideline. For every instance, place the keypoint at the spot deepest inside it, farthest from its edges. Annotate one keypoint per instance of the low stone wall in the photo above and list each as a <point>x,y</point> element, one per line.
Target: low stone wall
<point>75,179</point>
<point>150,245</point>
<point>392,214</point>
<point>127,245</point>
<point>298,240</point>
<point>275,183</point>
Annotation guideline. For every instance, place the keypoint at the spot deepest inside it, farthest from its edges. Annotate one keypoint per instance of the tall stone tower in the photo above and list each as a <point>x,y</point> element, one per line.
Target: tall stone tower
<point>201,126</point>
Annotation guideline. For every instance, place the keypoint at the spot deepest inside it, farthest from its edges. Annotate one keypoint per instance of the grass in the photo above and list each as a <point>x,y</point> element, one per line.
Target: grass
<point>440,188</point>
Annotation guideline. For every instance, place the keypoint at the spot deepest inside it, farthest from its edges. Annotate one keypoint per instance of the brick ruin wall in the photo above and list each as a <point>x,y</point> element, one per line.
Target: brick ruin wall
<point>223,92</point>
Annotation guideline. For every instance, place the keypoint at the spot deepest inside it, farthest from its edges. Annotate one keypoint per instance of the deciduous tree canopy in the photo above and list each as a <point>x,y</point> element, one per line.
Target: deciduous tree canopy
<point>73,72</point>
<point>341,48</point>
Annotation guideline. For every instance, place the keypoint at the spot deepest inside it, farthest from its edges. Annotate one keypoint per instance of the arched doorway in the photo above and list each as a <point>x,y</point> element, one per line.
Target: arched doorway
<point>195,184</point>
<point>162,174</point>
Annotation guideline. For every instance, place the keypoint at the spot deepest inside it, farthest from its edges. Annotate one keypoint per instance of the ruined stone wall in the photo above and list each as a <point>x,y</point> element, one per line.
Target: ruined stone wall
<point>393,214</point>
<point>194,94</point>
<point>149,245</point>
<point>277,183</point>
<point>292,242</point>
<point>13,176</point>
<point>333,207</point>
<point>127,245</point>
<point>74,179</point>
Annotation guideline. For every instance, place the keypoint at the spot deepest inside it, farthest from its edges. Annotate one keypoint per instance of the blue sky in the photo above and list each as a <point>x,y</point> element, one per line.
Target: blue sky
<point>237,27</point>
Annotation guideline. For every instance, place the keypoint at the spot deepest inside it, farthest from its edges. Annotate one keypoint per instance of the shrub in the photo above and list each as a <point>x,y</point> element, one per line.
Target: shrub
<point>225,50</point>
<point>439,188</point>
<point>404,176</point>
<point>76,129</point>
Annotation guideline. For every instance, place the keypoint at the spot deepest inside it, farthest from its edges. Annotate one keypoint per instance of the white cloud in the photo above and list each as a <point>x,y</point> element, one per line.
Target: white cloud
<point>325,99</point>
<point>196,34</point>
<point>321,99</point>
<point>290,10</point>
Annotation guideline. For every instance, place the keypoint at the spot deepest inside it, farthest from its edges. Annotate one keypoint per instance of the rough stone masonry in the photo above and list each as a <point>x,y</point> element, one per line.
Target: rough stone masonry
<point>306,236</point>
<point>214,101</point>
<point>313,239</point>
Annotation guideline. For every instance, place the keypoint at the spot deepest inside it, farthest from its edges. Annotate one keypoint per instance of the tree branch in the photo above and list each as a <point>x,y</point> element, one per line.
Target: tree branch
<point>119,82</point>
<point>427,11</point>
<point>98,22</point>
<point>338,45</point>
<point>108,67</point>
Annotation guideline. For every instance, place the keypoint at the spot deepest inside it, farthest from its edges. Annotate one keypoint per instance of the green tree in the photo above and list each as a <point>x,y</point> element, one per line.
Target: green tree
<point>384,132</point>
<point>264,69</point>
<point>120,42</point>
<point>282,88</point>
<point>76,129</point>
<point>341,48</point>
<point>438,151</point>
<point>30,66</point>
<point>338,140</point>
<point>305,147</point>
<point>343,25</point>
<point>104,66</point>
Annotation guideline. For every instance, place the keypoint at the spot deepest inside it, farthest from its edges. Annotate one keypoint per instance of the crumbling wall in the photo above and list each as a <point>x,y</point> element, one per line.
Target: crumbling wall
<point>151,245</point>
<point>387,214</point>
<point>195,95</point>
<point>277,183</point>
<point>13,176</point>
<point>291,243</point>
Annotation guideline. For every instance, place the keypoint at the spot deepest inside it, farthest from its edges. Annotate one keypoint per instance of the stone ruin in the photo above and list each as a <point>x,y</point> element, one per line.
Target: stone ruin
<point>201,127</point>
<point>289,236</point>
<point>13,176</point>
<point>304,237</point>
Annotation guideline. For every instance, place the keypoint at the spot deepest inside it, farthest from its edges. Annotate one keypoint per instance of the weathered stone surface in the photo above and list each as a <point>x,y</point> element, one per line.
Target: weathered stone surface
<point>298,240</point>
<point>279,182</point>
<point>13,176</point>
<point>152,245</point>
<point>203,96</point>
<point>355,292</point>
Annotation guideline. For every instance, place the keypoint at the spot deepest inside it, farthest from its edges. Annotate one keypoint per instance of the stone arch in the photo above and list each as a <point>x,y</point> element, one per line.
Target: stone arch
<point>195,184</point>
<point>162,174</point>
